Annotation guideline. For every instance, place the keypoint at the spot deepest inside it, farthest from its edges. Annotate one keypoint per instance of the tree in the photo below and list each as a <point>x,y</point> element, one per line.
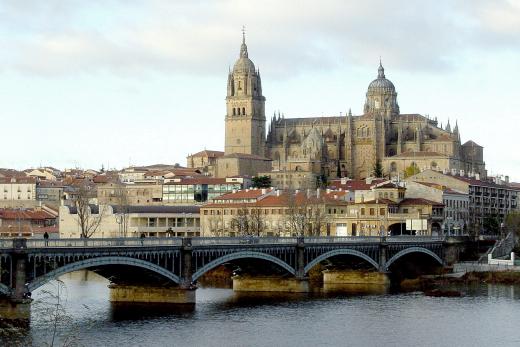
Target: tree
<point>240,222</point>
<point>122,208</point>
<point>512,223</point>
<point>306,214</point>
<point>261,182</point>
<point>248,221</point>
<point>411,170</point>
<point>89,215</point>
<point>378,169</point>
<point>491,225</point>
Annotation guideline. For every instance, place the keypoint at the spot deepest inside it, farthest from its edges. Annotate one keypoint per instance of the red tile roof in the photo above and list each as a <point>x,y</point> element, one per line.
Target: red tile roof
<point>419,201</point>
<point>353,185</point>
<point>13,214</point>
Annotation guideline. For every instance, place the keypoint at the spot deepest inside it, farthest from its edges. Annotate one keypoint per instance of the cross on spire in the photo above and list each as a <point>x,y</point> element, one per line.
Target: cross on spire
<point>243,34</point>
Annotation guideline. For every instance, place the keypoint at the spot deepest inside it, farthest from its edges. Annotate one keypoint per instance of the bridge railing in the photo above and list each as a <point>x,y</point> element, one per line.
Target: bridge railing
<point>6,243</point>
<point>341,239</point>
<point>246,240</point>
<point>111,242</point>
<point>409,238</point>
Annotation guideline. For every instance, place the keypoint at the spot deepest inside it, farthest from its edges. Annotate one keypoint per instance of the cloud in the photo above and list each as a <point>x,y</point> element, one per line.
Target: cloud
<point>286,38</point>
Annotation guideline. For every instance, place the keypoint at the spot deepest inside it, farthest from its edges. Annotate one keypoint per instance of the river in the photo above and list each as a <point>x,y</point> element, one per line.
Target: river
<point>487,315</point>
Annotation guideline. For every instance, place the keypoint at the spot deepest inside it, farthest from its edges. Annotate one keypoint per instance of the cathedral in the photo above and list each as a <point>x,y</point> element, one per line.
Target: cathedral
<point>340,146</point>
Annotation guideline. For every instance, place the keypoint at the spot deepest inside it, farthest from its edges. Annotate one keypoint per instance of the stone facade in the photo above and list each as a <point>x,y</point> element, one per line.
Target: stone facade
<point>341,146</point>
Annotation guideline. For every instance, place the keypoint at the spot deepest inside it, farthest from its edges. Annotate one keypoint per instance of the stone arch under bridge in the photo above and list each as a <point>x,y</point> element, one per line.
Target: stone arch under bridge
<point>341,251</point>
<point>101,261</point>
<point>410,250</point>
<point>242,255</point>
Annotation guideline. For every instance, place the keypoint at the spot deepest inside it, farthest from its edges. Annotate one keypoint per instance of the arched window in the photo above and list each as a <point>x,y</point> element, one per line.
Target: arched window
<point>243,111</point>
<point>238,111</point>
<point>393,167</point>
<point>234,111</point>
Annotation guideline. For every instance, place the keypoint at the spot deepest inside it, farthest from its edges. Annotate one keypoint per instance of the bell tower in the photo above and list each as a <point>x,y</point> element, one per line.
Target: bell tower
<point>245,107</point>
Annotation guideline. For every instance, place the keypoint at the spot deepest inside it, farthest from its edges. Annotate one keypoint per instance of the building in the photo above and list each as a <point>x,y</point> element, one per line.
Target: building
<point>152,221</point>
<point>189,191</point>
<point>23,222</point>
<point>267,212</point>
<point>383,216</point>
<point>205,161</point>
<point>488,198</point>
<point>130,194</point>
<point>50,193</point>
<point>456,204</point>
<point>18,192</point>
<point>335,146</point>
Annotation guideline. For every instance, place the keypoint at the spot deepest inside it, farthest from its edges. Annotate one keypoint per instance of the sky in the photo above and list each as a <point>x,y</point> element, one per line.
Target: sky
<point>131,82</point>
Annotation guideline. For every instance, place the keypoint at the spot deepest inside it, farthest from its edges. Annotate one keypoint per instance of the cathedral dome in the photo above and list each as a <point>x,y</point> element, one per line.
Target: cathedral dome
<point>243,64</point>
<point>381,84</point>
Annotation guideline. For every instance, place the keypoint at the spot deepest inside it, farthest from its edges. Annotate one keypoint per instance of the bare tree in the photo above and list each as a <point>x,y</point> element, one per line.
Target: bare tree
<point>256,221</point>
<point>216,225</point>
<point>122,207</point>
<point>240,222</point>
<point>89,215</point>
<point>296,213</point>
<point>306,214</point>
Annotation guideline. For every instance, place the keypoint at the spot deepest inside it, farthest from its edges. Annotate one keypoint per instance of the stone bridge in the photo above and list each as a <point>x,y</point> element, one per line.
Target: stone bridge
<point>27,264</point>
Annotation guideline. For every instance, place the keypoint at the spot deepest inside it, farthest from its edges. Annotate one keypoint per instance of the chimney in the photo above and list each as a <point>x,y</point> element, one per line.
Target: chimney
<point>308,193</point>
<point>328,190</point>
<point>277,192</point>
<point>506,179</point>
<point>318,190</point>
<point>343,180</point>
<point>264,191</point>
<point>453,172</point>
<point>368,180</point>
<point>461,173</point>
<point>477,177</point>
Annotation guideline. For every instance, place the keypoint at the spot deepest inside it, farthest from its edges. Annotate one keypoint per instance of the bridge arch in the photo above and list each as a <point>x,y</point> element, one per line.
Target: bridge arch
<point>344,251</point>
<point>241,255</point>
<point>100,261</point>
<point>413,250</point>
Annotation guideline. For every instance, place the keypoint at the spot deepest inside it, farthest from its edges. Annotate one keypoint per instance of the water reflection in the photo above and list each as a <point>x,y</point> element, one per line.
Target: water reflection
<point>122,311</point>
<point>354,315</point>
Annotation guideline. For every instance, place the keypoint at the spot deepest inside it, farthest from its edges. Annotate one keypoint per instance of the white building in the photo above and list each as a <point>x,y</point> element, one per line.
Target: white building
<point>152,221</point>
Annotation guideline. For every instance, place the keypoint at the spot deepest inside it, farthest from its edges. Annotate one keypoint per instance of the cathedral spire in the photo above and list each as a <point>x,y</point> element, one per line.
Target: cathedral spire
<point>243,46</point>
<point>448,126</point>
<point>380,70</point>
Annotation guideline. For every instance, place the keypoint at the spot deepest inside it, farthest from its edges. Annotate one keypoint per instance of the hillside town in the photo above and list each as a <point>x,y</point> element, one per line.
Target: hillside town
<point>171,200</point>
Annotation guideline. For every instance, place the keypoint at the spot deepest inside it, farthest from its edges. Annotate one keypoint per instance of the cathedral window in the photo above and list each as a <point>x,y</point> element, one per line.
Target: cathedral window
<point>234,111</point>
<point>238,111</point>
<point>239,85</point>
<point>243,111</point>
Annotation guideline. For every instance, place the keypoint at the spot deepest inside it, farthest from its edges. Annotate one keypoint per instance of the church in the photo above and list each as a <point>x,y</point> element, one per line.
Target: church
<point>296,151</point>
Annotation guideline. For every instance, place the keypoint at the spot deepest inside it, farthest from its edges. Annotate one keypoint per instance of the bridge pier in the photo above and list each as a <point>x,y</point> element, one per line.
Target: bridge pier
<point>270,284</point>
<point>300,259</point>
<point>382,255</point>
<point>151,294</point>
